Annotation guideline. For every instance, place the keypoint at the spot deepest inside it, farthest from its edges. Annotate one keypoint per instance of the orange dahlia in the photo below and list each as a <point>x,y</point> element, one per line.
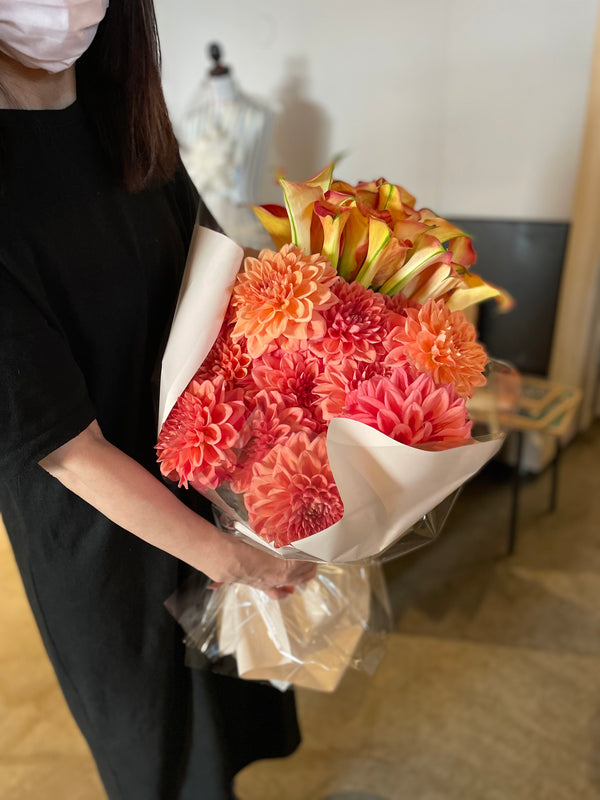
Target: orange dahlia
<point>293,493</point>
<point>440,343</point>
<point>199,435</point>
<point>279,296</point>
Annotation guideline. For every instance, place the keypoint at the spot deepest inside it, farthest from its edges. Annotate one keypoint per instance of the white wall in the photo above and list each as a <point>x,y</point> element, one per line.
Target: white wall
<point>476,106</point>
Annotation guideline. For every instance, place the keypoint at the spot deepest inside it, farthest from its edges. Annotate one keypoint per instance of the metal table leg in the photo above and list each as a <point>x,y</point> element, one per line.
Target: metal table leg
<point>516,485</point>
<point>555,467</point>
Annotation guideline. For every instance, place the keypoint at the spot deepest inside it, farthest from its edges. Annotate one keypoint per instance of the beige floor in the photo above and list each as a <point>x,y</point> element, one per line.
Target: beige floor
<point>489,690</point>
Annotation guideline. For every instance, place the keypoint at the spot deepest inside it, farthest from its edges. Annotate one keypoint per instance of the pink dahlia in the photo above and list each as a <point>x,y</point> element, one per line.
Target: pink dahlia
<point>356,325</point>
<point>410,410</point>
<point>339,379</point>
<point>226,358</point>
<point>439,342</point>
<point>269,423</point>
<point>399,303</point>
<point>293,494</point>
<point>199,435</point>
<point>293,374</point>
<point>279,298</point>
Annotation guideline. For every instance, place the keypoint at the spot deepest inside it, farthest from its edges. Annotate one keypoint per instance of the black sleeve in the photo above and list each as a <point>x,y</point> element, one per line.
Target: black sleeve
<point>191,205</point>
<point>43,397</point>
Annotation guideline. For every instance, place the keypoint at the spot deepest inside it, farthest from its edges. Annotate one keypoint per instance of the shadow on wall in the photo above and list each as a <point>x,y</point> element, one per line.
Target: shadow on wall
<point>300,145</point>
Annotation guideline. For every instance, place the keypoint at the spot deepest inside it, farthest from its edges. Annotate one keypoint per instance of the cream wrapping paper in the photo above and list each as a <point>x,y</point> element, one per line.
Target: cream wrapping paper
<point>212,263</point>
<point>385,486</point>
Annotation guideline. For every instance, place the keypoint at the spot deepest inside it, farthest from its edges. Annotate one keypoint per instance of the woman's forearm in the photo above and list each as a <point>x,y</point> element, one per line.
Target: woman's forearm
<point>126,493</point>
<point>129,495</point>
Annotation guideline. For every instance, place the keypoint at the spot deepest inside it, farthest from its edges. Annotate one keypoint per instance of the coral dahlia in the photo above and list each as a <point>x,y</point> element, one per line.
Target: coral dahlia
<point>226,358</point>
<point>338,379</point>
<point>293,374</point>
<point>198,437</point>
<point>293,494</point>
<point>355,325</point>
<point>269,423</point>
<point>410,410</point>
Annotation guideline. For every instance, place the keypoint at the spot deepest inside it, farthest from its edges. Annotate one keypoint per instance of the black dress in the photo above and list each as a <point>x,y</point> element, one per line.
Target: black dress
<point>89,275</point>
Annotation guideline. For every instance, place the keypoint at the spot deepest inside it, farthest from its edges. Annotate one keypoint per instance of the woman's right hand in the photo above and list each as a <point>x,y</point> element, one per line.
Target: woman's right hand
<point>234,561</point>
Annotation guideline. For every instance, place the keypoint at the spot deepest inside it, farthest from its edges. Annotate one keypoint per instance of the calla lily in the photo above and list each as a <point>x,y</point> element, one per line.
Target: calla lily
<point>410,229</point>
<point>333,222</point>
<point>440,228</point>
<point>299,201</point>
<point>432,283</point>
<point>323,179</point>
<point>375,193</point>
<point>389,259</point>
<point>431,251</point>
<point>373,234</point>
<point>354,245</point>
<point>384,255</point>
<point>379,237</point>
<point>475,290</point>
<point>275,219</point>
<point>397,202</point>
<point>341,187</point>
<point>462,250</point>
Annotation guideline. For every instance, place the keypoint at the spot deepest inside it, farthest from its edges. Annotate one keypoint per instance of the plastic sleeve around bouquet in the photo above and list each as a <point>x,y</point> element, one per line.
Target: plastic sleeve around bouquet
<point>335,621</point>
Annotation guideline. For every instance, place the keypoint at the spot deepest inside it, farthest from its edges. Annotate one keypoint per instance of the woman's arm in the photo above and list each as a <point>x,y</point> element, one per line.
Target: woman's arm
<point>131,497</point>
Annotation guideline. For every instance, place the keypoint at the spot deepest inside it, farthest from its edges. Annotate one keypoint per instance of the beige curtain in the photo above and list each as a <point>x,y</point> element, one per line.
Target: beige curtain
<point>576,346</point>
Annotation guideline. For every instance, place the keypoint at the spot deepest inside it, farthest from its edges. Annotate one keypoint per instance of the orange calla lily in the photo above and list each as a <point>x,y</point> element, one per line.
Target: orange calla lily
<point>299,202</point>
<point>385,254</point>
<point>462,250</point>
<point>433,282</point>
<point>475,290</point>
<point>354,245</point>
<point>431,251</point>
<point>373,234</point>
<point>276,221</point>
<point>333,221</point>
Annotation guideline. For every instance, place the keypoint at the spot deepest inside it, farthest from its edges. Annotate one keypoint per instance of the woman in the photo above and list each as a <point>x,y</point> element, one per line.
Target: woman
<point>96,215</point>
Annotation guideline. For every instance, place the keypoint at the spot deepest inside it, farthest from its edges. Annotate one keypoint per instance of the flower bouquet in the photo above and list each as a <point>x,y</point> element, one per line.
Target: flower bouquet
<point>319,395</point>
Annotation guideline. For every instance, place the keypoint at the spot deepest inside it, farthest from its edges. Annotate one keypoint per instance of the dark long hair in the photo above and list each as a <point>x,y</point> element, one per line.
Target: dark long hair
<point>118,81</point>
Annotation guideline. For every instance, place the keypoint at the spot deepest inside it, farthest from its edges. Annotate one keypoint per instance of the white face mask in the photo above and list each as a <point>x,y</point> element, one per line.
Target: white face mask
<point>49,34</point>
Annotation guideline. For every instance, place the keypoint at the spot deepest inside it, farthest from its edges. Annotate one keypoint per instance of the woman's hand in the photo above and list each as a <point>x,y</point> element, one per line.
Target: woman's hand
<point>238,562</point>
